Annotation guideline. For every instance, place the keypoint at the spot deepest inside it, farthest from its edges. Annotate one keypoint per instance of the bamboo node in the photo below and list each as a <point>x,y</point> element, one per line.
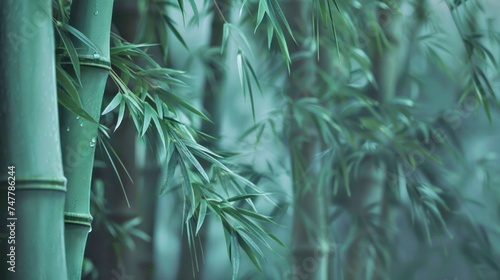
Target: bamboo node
<point>78,219</point>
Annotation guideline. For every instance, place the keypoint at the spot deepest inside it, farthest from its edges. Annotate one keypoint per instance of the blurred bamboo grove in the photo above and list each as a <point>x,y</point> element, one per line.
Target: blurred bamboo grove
<point>250,139</point>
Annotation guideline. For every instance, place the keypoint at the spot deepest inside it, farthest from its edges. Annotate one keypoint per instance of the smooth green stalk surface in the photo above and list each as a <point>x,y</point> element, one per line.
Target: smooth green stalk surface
<point>30,144</point>
<point>79,136</point>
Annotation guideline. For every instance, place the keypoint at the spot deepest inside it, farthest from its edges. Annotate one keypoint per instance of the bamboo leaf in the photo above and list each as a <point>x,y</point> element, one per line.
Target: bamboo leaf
<point>171,167</point>
<point>121,113</point>
<point>159,129</point>
<point>116,170</point>
<point>243,244</point>
<point>79,35</point>
<point>185,104</point>
<point>276,239</point>
<point>235,254</point>
<point>113,104</point>
<point>188,188</point>
<point>148,114</point>
<point>243,197</point>
<point>174,30</point>
<point>260,13</point>
<point>195,10</point>
<point>67,83</point>
<point>201,215</point>
<point>283,18</point>
<point>71,105</point>
<point>70,48</point>
<point>240,68</point>
<point>181,7</point>
<point>185,153</point>
<point>225,37</point>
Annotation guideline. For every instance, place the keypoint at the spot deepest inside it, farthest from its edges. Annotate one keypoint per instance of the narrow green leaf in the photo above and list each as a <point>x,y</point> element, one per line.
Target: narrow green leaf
<point>260,14</point>
<point>244,196</point>
<point>160,130</point>
<point>185,104</point>
<point>276,239</point>
<point>283,18</point>
<point>70,48</point>
<point>239,62</point>
<point>121,113</point>
<point>201,215</point>
<point>80,36</point>
<point>195,10</point>
<point>181,7</point>
<point>70,104</point>
<point>148,114</point>
<point>171,167</point>
<point>235,254</point>
<point>116,171</point>
<point>185,153</point>
<point>174,30</point>
<point>225,37</point>
<point>113,104</point>
<point>67,83</point>
<point>188,188</point>
<point>243,244</point>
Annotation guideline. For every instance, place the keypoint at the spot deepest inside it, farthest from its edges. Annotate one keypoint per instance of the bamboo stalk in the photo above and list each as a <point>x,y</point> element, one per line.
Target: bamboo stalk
<point>310,258</point>
<point>371,184</point>
<point>30,142</point>
<point>93,19</point>
<point>148,191</point>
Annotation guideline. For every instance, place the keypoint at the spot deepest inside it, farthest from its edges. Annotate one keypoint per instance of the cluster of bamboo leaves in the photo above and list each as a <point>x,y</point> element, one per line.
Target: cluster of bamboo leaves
<point>152,96</point>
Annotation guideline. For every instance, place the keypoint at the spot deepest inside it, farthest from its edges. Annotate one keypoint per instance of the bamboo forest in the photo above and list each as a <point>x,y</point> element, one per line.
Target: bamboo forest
<point>249,139</point>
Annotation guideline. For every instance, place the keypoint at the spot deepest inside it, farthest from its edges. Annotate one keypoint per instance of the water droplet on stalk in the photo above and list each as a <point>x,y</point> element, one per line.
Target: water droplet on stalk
<point>97,56</point>
<point>67,128</point>
<point>92,142</point>
<point>78,117</point>
<point>81,124</point>
<point>96,13</point>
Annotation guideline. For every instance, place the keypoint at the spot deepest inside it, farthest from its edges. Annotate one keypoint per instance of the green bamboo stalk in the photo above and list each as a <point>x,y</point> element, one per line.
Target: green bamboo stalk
<point>93,19</point>
<point>371,183</point>
<point>325,64</point>
<point>310,258</point>
<point>30,142</point>
<point>368,190</point>
<point>148,190</point>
